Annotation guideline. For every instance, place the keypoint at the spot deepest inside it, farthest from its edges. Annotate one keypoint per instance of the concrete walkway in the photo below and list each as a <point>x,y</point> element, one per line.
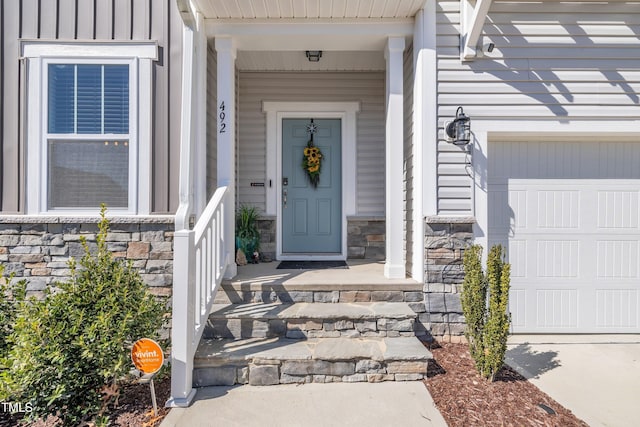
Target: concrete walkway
<point>597,377</point>
<point>406,404</point>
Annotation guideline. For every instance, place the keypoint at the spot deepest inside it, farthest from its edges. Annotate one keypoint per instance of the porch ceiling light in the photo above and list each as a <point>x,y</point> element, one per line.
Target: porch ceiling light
<point>314,55</point>
<point>459,130</point>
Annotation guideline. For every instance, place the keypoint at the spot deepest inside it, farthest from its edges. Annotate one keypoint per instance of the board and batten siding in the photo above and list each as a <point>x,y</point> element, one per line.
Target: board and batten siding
<point>365,87</point>
<point>408,156</point>
<point>86,21</point>
<point>552,61</point>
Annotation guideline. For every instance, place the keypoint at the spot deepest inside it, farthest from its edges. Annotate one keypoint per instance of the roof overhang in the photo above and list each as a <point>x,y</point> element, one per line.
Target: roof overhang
<point>307,9</point>
<point>303,34</point>
<point>286,25</point>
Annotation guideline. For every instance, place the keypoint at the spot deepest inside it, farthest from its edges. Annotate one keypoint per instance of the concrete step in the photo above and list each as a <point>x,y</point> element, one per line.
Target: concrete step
<point>270,361</point>
<point>309,320</point>
<point>397,290</point>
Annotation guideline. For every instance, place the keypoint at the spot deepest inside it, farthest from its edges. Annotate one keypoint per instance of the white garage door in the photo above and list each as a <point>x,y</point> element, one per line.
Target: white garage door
<point>569,213</point>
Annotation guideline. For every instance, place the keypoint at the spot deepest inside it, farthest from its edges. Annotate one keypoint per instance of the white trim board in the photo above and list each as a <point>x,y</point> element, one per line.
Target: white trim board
<point>304,34</point>
<point>141,50</point>
<point>139,57</point>
<point>276,112</point>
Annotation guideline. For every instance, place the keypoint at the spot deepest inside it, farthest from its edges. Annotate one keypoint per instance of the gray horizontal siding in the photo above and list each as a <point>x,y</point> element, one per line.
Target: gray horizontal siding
<point>86,20</point>
<point>552,60</point>
<point>366,87</point>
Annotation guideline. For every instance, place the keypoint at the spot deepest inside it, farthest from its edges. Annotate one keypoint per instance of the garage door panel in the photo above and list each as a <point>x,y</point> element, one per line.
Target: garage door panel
<point>557,258</point>
<point>618,209</point>
<point>511,207</point>
<point>557,208</point>
<point>518,308</point>
<point>556,308</point>
<point>617,259</point>
<point>616,308</point>
<point>569,215</point>
<point>518,256</point>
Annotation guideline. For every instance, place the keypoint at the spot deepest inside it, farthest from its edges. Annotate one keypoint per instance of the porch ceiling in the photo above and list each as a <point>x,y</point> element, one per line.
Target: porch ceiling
<point>307,9</point>
<point>297,61</point>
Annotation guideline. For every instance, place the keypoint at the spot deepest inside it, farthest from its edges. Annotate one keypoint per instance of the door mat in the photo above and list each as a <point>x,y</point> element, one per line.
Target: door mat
<point>311,265</point>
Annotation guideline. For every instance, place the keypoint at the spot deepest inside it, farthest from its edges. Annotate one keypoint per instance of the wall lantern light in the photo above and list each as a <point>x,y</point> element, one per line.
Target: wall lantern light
<point>459,130</point>
<point>314,55</point>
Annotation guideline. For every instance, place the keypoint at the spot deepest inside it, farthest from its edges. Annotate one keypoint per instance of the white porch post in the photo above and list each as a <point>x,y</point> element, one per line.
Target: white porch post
<point>395,265</point>
<point>425,130</point>
<point>200,115</point>
<point>182,331</point>
<point>226,114</point>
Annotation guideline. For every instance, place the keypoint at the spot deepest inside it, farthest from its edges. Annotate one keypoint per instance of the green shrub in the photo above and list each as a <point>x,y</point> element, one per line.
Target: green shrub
<point>474,301</point>
<point>487,326</point>
<point>71,350</point>
<point>10,297</point>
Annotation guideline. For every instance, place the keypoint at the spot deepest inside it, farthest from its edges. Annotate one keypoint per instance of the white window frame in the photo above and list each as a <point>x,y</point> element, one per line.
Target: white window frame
<point>139,57</point>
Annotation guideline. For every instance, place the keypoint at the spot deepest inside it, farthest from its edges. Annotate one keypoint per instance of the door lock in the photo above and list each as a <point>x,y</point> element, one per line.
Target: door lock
<point>285,181</point>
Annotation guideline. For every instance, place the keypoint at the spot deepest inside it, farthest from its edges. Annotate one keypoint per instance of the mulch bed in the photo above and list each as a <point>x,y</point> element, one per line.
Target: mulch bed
<point>461,395</point>
<point>134,408</point>
<point>466,399</point>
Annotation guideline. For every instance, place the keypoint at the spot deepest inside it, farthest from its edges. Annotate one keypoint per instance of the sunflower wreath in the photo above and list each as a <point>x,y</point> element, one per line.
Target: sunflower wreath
<point>312,160</point>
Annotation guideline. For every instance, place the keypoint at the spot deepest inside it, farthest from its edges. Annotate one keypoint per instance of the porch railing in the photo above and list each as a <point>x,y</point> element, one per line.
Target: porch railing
<point>199,266</point>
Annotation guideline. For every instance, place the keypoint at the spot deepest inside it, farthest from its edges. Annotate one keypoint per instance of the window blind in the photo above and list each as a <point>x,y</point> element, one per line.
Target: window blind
<point>88,99</point>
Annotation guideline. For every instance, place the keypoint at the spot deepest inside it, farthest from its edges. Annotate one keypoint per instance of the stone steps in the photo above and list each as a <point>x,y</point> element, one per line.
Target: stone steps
<point>267,343</point>
<point>270,361</point>
<point>318,292</point>
<point>307,320</point>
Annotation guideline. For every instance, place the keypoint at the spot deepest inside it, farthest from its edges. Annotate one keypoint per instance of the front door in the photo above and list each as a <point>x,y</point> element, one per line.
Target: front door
<point>311,214</point>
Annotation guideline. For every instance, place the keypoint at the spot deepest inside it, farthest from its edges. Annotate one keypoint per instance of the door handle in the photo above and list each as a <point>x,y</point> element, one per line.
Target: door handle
<point>284,198</point>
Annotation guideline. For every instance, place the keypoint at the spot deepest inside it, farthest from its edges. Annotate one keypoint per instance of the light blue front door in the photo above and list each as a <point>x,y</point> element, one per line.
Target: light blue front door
<point>311,217</point>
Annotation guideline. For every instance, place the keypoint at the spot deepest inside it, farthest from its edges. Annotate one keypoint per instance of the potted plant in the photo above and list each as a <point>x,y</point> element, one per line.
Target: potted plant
<point>247,234</point>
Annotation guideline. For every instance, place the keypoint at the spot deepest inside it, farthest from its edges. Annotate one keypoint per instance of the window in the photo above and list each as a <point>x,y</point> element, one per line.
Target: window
<point>89,127</point>
<point>88,150</point>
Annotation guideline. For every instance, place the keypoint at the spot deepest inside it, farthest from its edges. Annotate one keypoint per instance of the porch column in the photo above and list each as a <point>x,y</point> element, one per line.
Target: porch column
<point>200,115</point>
<point>395,264</point>
<point>226,116</point>
<point>425,130</point>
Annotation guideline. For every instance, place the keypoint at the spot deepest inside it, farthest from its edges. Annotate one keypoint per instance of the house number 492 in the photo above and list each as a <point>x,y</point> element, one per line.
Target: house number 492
<point>222,115</point>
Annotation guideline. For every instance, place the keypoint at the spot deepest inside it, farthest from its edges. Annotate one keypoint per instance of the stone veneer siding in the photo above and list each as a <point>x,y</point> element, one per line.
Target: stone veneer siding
<point>365,237</point>
<point>267,229</point>
<point>38,248</point>
<point>446,238</point>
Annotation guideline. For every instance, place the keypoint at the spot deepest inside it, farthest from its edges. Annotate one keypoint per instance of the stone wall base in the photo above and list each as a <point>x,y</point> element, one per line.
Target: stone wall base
<point>38,249</point>
<point>267,229</point>
<point>365,237</point>
<point>446,239</point>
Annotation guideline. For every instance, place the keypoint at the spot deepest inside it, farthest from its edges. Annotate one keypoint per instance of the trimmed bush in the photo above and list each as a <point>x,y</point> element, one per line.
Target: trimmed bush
<point>10,297</point>
<point>487,321</point>
<point>71,350</point>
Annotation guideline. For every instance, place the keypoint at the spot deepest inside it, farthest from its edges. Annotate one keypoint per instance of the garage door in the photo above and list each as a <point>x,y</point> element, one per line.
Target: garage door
<point>569,214</point>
